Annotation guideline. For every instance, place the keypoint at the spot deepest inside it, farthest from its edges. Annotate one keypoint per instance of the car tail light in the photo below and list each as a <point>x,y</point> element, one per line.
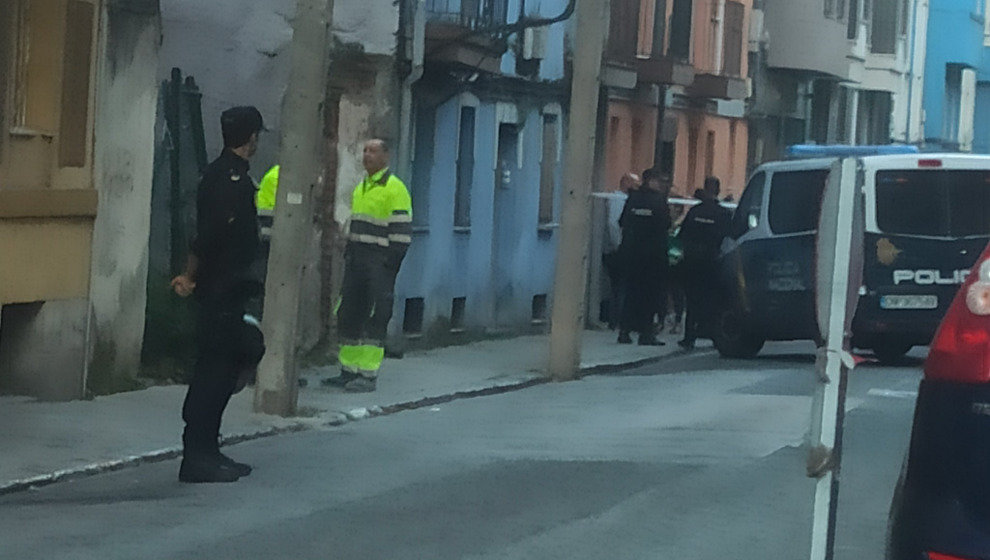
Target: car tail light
<point>960,351</point>
<point>929,163</point>
<point>940,556</point>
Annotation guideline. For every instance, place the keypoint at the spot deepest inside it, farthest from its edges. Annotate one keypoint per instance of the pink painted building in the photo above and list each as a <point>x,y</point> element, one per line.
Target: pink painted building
<point>686,60</point>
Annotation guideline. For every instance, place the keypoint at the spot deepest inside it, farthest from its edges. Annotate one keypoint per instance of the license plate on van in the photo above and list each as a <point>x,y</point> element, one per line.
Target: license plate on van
<point>909,302</point>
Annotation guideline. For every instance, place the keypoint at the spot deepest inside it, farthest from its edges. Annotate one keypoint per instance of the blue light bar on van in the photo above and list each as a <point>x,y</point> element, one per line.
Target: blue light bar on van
<point>805,151</point>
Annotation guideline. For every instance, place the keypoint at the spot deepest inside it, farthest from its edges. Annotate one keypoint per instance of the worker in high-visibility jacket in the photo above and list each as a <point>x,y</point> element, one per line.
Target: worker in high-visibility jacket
<point>267,189</point>
<point>379,233</point>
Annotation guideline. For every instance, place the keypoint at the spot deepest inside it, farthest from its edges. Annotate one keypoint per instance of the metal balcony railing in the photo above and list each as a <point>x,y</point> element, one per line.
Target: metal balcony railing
<point>472,14</point>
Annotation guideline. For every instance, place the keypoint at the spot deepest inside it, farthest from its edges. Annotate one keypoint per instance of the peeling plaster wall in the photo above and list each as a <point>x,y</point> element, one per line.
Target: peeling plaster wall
<point>372,24</point>
<point>124,154</point>
<point>237,50</point>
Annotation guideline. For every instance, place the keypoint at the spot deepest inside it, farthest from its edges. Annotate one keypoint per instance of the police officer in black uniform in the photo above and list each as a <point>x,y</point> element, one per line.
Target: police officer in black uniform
<point>701,235</point>
<point>218,272</point>
<point>645,225</point>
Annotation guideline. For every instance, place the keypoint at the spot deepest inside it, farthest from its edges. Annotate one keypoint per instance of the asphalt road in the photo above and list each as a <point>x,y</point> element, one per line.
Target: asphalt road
<point>694,457</point>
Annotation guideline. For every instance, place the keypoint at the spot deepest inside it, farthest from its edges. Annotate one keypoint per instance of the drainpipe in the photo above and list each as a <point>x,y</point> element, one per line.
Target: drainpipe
<point>911,71</point>
<point>406,110</point>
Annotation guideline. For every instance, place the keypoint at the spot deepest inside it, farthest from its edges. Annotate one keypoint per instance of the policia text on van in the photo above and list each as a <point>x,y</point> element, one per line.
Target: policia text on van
<point>927,219</point>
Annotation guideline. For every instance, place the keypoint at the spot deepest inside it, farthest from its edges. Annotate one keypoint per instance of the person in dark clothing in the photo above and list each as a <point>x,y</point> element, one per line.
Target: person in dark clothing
<point>645,223</point>
<point>701,235</point>
<point>218,273</point>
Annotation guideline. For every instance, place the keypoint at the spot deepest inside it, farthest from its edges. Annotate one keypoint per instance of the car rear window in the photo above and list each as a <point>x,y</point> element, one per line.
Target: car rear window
<point>943,202</point>
<point>795,199</point>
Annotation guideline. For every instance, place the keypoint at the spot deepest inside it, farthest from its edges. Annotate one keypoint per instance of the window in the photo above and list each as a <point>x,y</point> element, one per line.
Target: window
<point>747,214</point>
<point>710,154</point>
<point>539,308</point>
<point>935,203</point>
<point>953,104</point>
<point>425,134</point>
<point>465,169</point>
<point>412,323</point>
<point>38,61</point>
<point>986,24</point>
<point>75,84</point>
<point>680,30</point>
<point>885,27</point>
<point>795,200</point>
<point>48,95</point>
<point>830,8</point>
<point>852,31</point>
<point>548,167</point>
<point>734,37</point>
<point>457,307</point>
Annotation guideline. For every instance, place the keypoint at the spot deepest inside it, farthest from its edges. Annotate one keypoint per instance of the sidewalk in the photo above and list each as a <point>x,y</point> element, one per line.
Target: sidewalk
<point>43,443</point>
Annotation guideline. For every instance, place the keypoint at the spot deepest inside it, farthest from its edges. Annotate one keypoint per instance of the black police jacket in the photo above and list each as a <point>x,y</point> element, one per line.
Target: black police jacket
<point>645,225</point>
<point>703,230</point>
<point>226,241</point>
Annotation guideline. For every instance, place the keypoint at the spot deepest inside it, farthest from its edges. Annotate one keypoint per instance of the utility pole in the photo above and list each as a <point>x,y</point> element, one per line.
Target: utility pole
<point>277,387</point>
<point>838,272</point>
<point>567,318</point>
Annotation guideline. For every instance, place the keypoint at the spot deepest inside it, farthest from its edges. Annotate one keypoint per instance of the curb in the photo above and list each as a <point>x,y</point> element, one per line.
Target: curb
<point>325,419</point>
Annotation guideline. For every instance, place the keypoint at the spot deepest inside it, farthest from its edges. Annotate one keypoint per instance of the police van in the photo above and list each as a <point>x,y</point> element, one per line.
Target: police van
<point>927,220</point>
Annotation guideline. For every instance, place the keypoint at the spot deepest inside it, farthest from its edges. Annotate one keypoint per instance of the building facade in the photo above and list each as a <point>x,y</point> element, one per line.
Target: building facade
<point>485,169</point>
<point>957,77</point>
<point>76,133</point>
<point>833,71</point>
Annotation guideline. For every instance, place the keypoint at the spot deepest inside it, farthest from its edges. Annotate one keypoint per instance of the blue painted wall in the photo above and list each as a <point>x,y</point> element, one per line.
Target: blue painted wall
<point>963,45</point>
<point>506,257</point>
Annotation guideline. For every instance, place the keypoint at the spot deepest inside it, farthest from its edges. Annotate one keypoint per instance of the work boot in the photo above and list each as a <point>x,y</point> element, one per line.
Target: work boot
<point>341,380</point>
<point>624,337</point>
<point>650,340</point>
<point>205,469</point>
<point>362,385</point>
<point>242,469</point>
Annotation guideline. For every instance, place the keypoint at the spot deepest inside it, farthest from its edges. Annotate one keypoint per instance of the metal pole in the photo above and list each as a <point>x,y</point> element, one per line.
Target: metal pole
<point>572,255</point>
<point>277,386</point>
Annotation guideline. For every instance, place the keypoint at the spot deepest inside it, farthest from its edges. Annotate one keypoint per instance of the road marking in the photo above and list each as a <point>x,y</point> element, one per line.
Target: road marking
<point>890,394</point>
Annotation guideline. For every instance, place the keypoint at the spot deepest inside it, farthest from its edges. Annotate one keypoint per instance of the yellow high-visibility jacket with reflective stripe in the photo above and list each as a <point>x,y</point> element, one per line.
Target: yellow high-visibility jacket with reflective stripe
<point>381,213</point>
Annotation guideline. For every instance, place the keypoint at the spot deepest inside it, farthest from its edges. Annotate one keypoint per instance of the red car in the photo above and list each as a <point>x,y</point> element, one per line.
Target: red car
<point>941,507</point>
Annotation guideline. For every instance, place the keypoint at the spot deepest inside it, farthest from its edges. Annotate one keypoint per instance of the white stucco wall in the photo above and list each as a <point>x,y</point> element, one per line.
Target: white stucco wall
<point>123,165</point>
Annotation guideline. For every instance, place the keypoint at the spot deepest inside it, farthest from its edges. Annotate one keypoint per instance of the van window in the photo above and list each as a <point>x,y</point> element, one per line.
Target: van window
<point>944,203</point>
<point>795,200</point>
<point>747,215</point>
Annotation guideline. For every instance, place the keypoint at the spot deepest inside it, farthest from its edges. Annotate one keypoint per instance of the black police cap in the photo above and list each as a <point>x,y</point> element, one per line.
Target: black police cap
<point>239,123</point>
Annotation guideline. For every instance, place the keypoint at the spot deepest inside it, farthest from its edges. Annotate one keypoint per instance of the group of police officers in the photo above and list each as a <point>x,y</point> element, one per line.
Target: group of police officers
<point>641,267</point>
<point>219,273</point>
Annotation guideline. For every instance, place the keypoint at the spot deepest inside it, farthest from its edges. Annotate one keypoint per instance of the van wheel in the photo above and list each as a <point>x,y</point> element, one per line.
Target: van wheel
<point>891,352</point>
<point>730,338</point>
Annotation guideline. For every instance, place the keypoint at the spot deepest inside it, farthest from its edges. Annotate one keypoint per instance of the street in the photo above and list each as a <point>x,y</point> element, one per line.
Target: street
<point>691,457</point>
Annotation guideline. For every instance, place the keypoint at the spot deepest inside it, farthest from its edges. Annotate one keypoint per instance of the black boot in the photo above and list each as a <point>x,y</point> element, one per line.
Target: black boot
<point>650,340</point>
<point>242,469</point>
<point>197,469</point>
<point>624,337</point>
<point>341,380</point>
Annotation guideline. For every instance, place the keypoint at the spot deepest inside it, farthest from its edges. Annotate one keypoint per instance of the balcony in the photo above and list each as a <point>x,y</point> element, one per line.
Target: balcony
<point>459,32</point>
<point>719,87</point>
<point>665,70</point>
